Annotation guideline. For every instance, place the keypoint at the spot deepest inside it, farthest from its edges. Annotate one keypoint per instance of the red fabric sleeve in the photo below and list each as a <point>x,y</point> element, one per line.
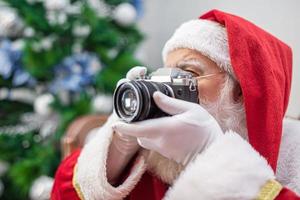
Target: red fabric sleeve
<point>286,194</point>
<point>63,188</point>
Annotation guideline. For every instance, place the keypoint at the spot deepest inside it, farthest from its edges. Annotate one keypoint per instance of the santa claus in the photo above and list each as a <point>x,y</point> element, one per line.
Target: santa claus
<point>234,144</point>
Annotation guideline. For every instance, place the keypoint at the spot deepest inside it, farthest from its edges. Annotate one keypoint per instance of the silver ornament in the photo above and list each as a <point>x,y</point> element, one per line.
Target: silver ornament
<point>10,24</point>
<point>125,14</point>
<point>29,32</point>
<point>41,188</point>
<point>56,5</point>
<point>81,30</point>
<point>18,94</point>
<point>56,17</point>
<point>42,104</point>
<point>45,124</point>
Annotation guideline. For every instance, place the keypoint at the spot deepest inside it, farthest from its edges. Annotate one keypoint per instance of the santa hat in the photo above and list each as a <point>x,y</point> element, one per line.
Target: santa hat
<point>207,37</point>
<point>260,62</point>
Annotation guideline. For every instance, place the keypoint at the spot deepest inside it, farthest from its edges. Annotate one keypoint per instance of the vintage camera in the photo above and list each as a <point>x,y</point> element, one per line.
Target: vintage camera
<point>133,100</point>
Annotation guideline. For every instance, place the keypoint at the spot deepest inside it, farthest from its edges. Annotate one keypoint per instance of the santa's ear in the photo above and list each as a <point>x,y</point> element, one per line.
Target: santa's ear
<point>237,93</point>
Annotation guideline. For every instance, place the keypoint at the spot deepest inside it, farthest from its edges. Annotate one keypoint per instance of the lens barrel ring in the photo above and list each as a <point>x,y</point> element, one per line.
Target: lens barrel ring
<point>143,91</point>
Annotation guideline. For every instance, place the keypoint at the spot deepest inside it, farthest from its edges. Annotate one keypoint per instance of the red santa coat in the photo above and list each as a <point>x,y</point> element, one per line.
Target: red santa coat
<point>189,184</point>
<point>230,168</point>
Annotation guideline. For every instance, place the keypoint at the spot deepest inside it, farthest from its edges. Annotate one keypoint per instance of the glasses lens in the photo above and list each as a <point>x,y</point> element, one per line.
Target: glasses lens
<point>129,102</point>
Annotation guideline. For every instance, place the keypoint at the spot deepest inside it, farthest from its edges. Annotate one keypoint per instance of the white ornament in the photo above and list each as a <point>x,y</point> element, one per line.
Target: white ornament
<point>81,30</point>
<point>112,53</point>
<point>74,8</point>
<point>56,5</point>
<point>41,188</point>
<point>42,104</point>
<point>10,24</point>
<point>18,94</point>
<point>61,18</point>
<point>46,44</point>
<point>29,32</point>
<point>56,17</point>
<point>94,66</point>
<point>45,124</point>
<point>102,103</point>
<point>18,44</point>
<point>125,14</point>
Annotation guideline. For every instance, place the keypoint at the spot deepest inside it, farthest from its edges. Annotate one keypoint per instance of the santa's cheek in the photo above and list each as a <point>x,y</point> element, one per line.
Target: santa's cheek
<point>209,89</point>
<point>207,92</point>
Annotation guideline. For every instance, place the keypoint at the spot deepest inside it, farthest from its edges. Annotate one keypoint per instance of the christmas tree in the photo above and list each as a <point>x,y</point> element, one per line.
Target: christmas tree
<point>59,59</point>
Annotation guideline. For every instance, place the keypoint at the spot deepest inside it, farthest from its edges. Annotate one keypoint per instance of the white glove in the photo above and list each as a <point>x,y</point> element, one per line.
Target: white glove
<point>122,147</point>
<point>189,131</point>
<point>134,73</point>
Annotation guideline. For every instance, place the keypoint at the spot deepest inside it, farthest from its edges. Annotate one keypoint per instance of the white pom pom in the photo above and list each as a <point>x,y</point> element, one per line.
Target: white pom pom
<point>102,104</point>
<point>41,188</point>
<point>42,104</point>
<point>125,14</point>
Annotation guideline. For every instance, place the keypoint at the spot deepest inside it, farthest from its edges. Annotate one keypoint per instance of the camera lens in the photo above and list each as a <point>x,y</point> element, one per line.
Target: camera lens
<point>129,102</point>
<point>133,100</point>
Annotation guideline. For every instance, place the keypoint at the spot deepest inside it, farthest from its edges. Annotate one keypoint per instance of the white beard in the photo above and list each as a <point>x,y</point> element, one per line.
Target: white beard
<point>229,114</point>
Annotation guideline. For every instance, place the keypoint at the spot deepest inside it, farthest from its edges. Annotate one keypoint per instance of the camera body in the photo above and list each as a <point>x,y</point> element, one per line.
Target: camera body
<point>133,100</point>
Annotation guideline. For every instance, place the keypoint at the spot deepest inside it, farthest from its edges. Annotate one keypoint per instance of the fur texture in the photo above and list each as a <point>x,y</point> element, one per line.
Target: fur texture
<point>288,166</point>
<point>229,169</point>
<point>91,169</point>
<point>165,169</point>
<point>212,175</point>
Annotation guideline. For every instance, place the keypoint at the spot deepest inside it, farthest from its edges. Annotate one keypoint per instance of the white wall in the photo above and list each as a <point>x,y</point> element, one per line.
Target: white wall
<point>280,17</point>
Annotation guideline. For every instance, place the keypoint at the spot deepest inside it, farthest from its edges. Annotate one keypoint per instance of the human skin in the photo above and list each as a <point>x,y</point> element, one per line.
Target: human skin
<point>193,61</point>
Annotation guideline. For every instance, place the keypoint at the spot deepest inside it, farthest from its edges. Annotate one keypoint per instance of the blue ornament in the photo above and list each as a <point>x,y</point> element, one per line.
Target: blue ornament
<point>11,66</point>
<point>76,72</point>
<point>10,59</point>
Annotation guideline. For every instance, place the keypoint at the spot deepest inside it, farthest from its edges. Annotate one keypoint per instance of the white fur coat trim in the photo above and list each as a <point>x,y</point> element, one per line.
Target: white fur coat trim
<point>288,165</point>
<point>229,169</point>
<point>91,169</point>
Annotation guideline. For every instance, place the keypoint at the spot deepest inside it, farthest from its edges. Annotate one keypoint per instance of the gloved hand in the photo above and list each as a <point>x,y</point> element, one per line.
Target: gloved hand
<point>133,73</point>
<point>189,131</point>
<point>122,147</point>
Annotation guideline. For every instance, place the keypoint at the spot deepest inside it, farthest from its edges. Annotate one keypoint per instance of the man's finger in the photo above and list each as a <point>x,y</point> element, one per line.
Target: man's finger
<point>171,105</point>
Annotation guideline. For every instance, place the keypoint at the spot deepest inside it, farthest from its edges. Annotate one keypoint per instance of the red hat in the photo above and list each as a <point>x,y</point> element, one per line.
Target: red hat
<point>260,62</point>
